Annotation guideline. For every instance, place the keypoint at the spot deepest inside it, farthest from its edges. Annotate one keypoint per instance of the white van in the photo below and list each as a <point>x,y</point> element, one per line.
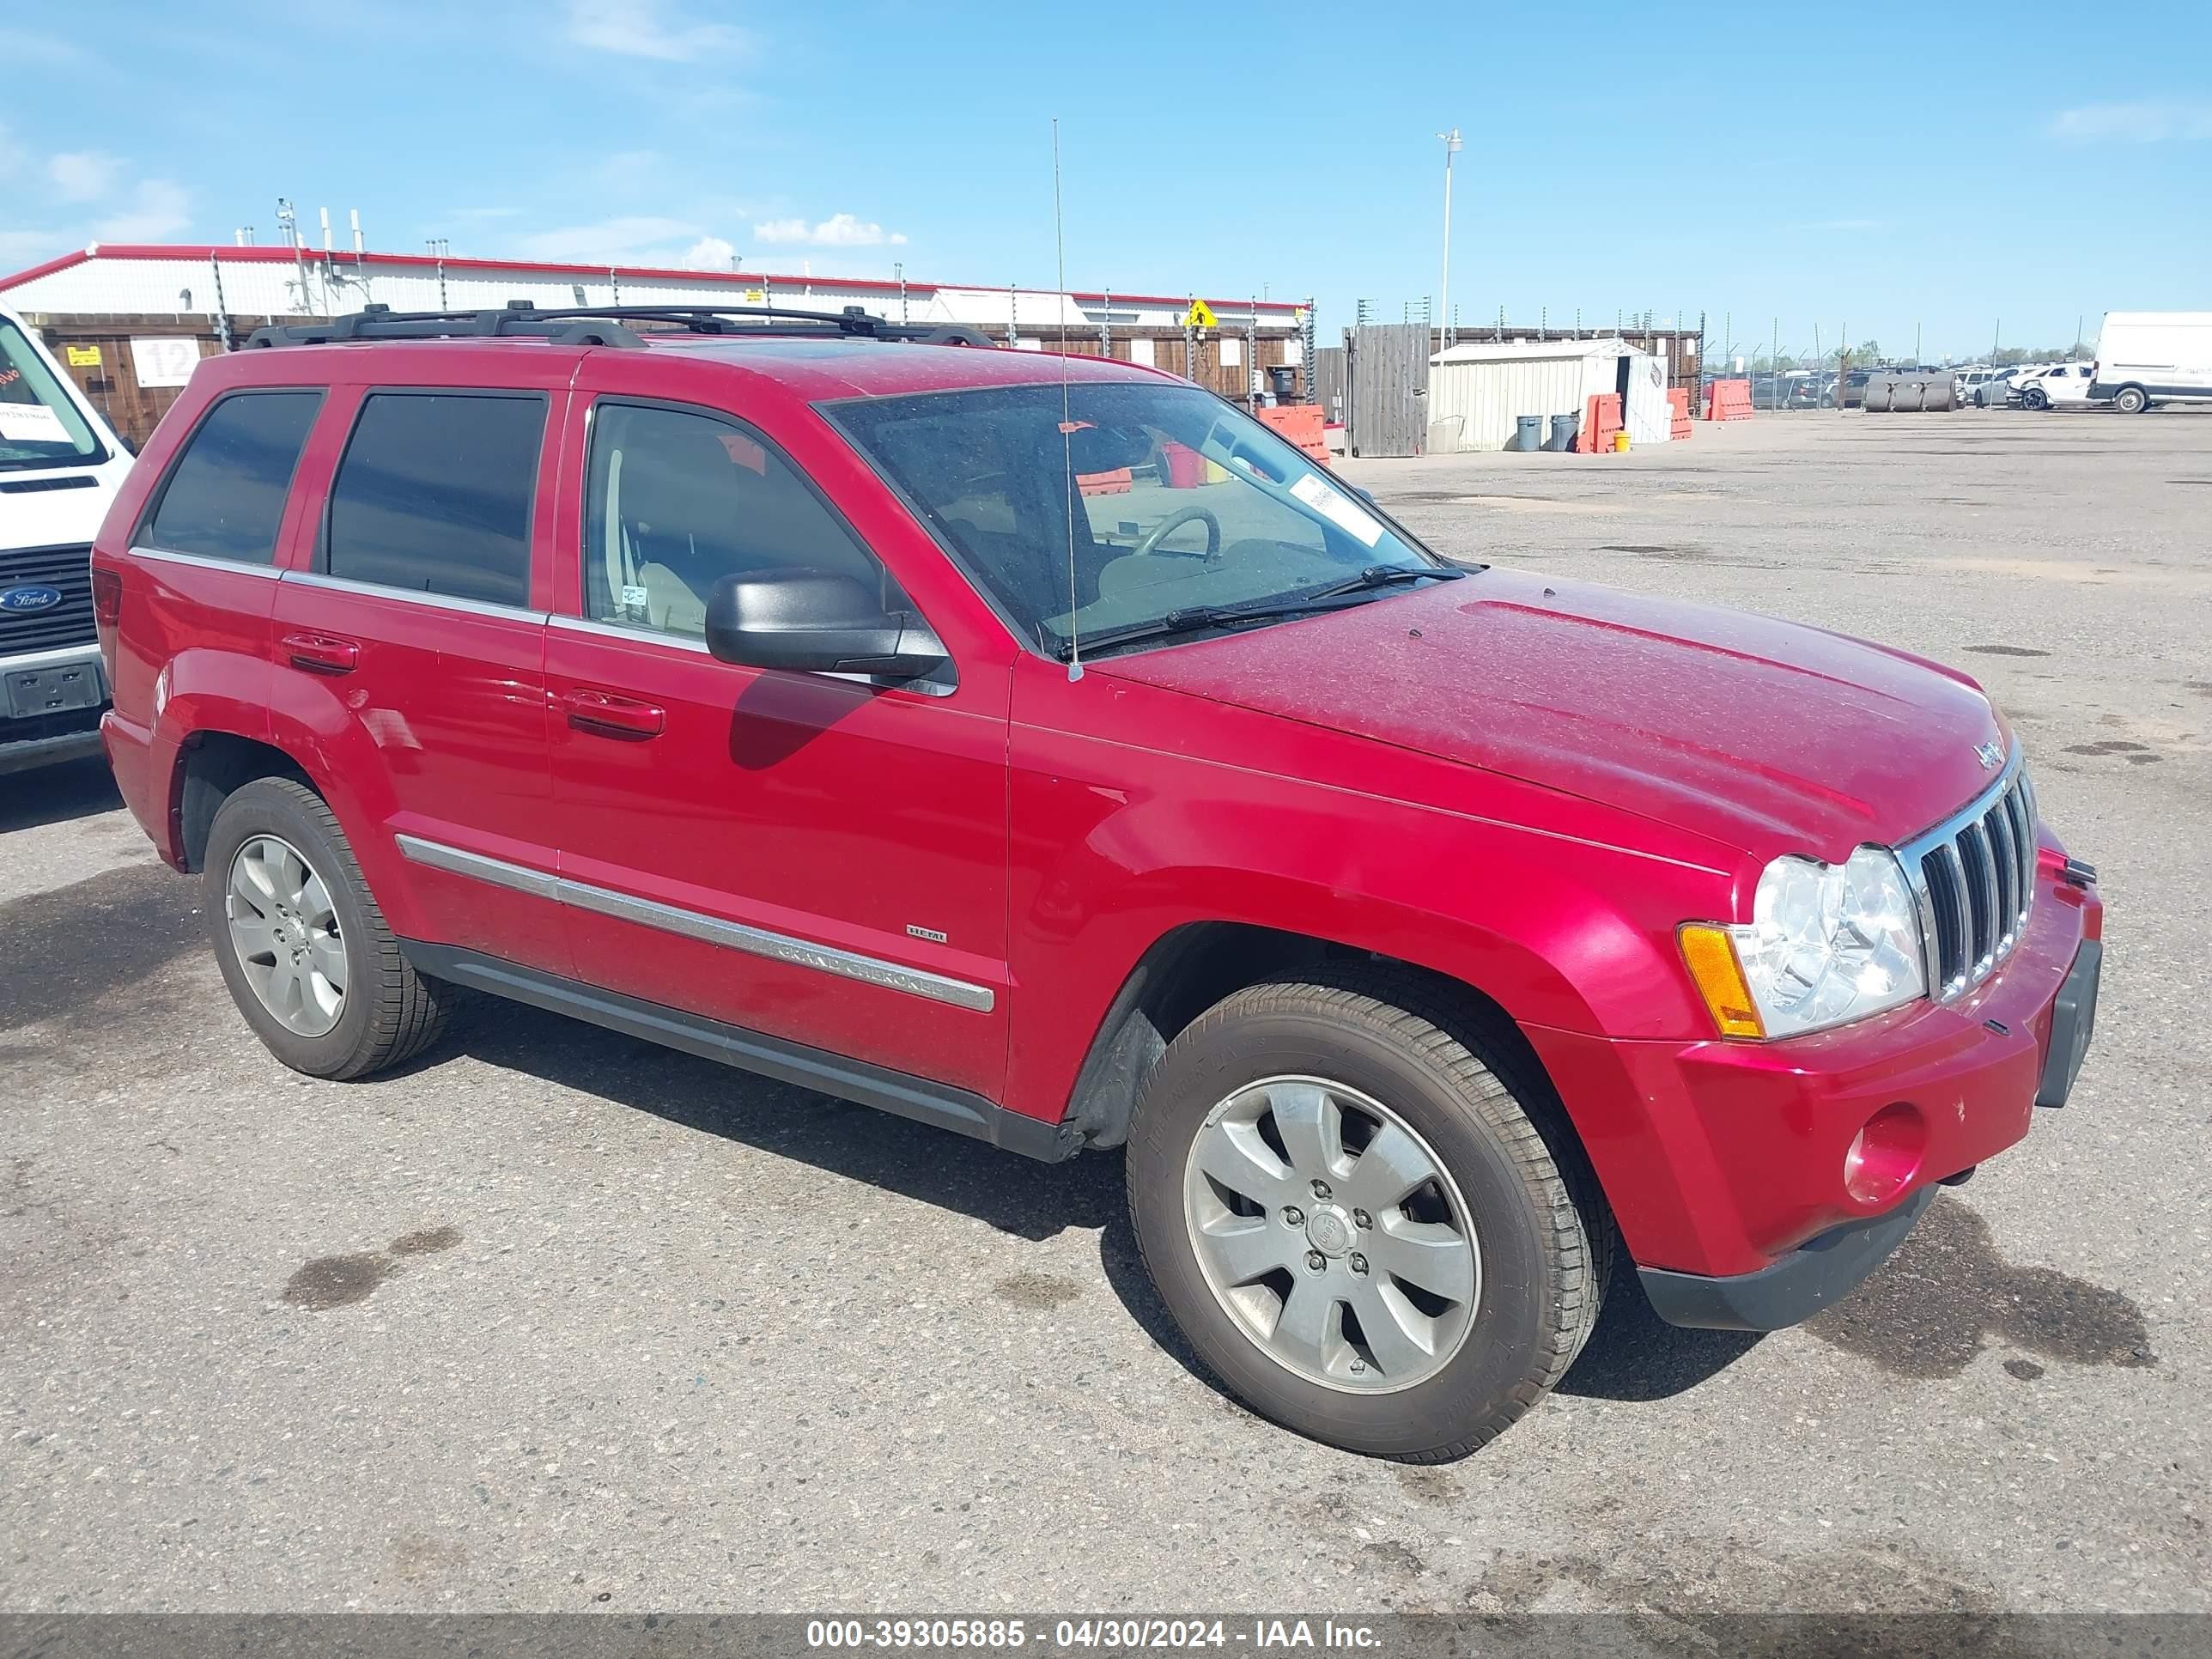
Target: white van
<point>2145,358</point>
<point>60,467</point>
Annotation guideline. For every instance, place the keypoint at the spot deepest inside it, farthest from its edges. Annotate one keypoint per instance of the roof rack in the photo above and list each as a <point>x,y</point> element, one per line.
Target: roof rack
<point>609,326</point>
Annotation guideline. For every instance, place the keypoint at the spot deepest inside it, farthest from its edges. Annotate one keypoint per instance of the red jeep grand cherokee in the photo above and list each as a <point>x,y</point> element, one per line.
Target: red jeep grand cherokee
<point>1040,748</point>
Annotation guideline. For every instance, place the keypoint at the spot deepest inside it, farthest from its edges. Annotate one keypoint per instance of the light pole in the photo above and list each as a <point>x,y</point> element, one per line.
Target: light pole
<point>1451,143</point>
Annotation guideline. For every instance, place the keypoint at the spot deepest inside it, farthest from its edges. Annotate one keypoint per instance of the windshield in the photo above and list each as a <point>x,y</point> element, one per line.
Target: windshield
<point>1181,502</point>
<point>40,424</point>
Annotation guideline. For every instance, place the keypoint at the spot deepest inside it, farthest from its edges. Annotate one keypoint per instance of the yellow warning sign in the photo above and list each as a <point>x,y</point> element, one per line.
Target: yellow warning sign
<point>1201,315</point>
<point>83,356</point>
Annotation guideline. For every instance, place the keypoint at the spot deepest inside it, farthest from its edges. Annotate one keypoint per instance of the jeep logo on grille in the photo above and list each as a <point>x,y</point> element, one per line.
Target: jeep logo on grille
<point>19,601</point>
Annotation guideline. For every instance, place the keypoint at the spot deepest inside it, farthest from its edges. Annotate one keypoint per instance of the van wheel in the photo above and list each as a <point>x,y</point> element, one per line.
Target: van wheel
<point>1341,1192</point>
<point>302,943</point>
<point>2131,400</point>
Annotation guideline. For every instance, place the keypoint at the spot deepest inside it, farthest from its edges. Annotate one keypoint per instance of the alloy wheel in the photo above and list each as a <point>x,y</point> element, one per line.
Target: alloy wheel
<point>285,931</point>
<point>1333,1235</point>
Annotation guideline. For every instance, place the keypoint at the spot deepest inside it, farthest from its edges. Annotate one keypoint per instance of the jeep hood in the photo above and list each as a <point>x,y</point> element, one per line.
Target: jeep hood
<point>1768,736</point>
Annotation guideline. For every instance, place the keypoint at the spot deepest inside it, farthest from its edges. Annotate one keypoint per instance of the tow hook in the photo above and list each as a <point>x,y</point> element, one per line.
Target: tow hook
<point>2075,873</point>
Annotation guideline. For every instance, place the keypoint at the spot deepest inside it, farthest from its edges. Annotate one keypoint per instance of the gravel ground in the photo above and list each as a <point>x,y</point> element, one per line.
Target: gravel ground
<point>553,1320</point>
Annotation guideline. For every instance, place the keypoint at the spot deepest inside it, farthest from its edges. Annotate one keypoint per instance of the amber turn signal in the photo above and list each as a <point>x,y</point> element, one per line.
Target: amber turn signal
<point>1711,954</point>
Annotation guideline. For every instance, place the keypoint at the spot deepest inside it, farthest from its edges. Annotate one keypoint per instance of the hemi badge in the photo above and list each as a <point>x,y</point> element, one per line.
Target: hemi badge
<point>930,933</point>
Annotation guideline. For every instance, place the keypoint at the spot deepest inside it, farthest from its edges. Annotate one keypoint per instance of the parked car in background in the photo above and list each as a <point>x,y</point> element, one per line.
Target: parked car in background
<point>2004,388</point>
<point>2064,385</point>
<point>60,467</point>
<point>1970,378</point>
<point>790,701</point>
<point>2145,358</point>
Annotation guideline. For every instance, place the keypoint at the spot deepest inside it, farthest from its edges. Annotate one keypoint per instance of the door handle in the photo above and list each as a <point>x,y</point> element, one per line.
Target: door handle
<point>611,713</point>
<point>322,654</point>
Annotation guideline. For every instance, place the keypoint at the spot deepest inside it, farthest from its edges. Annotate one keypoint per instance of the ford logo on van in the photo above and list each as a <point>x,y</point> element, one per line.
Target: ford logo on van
<point>19,601</point>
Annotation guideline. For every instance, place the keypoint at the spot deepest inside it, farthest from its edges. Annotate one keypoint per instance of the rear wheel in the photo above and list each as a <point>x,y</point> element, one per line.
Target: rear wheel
<point>2131,400</point>
<point>2036,397</point>
<point>302,943</point>
<point>1341,1191</point>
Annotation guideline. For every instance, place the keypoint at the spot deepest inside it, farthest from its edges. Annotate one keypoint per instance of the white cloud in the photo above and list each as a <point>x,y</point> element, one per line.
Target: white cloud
<point>83,175</point>
<point>839,230</point>
<point>649,28</point>
<point>2150,122</point>
<point>158,209</point>
<point>21,249</point>
<point>710,253</point>
<point>628,239</point>
<point>23,46</point>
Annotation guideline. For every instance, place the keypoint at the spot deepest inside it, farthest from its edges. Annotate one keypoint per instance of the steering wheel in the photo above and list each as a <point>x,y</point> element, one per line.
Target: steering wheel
<point>1151,542</point>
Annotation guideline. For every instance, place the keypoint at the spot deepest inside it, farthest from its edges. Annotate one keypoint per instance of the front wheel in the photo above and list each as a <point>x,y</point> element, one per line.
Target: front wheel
<point>2131,400</point>
<point>1341,1190</point>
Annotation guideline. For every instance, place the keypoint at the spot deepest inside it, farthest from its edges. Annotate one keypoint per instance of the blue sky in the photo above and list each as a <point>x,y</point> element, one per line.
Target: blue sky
<point>1879,167</point>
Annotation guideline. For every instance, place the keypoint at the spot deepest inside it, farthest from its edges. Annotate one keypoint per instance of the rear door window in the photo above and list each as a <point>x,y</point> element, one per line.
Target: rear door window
<point>225,497</point>
<point>433,495</point>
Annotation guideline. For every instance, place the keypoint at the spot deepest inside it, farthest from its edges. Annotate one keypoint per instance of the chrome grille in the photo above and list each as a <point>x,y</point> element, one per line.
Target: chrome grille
<point>1974,876</point>
<point>66,569</point>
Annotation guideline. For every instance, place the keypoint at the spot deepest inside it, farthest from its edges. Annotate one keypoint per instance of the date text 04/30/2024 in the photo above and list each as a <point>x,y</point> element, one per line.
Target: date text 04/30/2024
<point>1257,1635</point>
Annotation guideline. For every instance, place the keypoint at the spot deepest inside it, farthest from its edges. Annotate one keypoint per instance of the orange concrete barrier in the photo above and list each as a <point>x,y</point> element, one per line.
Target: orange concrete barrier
<point>1117,483</point>
<point>1600,422</point>
<point>1729,400</point>
<point>1299,424</point>
<point>1677,400</point>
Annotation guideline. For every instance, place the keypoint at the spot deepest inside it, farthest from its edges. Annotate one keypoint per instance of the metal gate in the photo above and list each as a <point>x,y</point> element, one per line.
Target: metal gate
<point>1389,412</point>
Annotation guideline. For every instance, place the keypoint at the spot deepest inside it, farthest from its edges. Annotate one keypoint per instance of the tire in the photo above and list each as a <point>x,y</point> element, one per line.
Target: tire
<point>2131,400</point>
<point>1542,1242</point>
<point>2036,397</point>
<point>385,1012</point>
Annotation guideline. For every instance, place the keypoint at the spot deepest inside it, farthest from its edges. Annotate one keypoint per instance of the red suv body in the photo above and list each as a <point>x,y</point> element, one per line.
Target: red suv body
<point>963,879</point>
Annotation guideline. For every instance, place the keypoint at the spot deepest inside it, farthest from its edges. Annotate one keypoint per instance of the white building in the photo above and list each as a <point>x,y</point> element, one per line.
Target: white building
<point>112,310</point>
<point>1477,391</point>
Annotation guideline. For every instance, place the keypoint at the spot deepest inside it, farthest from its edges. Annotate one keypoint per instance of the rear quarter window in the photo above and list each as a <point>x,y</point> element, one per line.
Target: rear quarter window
<point>224,498</point>
<point>433,495</point>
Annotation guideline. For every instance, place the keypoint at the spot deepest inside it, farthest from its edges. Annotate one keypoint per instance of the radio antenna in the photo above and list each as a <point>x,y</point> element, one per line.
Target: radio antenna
<point>1066,425</point>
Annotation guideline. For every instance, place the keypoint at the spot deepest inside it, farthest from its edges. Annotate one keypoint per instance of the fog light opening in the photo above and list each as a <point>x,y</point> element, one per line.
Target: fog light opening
<point>1884,1154</point>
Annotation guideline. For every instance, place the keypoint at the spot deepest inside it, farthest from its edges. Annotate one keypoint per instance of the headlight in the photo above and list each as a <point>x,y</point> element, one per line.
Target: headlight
<point>1826,944</point>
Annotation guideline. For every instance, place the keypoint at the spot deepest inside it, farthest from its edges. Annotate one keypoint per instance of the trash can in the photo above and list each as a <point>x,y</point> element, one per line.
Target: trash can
<point>1563,432</point>
<point>1527,433</point>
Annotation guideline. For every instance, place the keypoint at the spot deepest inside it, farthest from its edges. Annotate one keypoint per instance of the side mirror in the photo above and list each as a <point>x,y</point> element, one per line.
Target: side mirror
<point>1364,494</point>
<point>802,619</point>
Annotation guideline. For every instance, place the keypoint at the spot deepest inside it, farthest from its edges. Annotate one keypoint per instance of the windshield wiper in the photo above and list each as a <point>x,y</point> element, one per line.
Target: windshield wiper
<point>1338,595</point>
<point>1386,575</point>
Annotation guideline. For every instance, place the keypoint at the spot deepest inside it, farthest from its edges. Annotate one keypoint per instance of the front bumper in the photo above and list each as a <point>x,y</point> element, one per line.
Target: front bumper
<point>1819,1272</point>
<point>1727,1160</point>
<point>50,705</point>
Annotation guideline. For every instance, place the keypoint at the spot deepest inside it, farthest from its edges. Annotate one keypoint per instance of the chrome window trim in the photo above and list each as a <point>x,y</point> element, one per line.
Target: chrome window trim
<point>202,562</point>
<point>412,596</point>
<point>636,631</point>
<point>691,924</point>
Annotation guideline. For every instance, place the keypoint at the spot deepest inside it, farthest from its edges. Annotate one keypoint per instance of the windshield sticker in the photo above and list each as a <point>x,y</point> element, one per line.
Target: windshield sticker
<point>31,423</point>
<point>1338,508</point>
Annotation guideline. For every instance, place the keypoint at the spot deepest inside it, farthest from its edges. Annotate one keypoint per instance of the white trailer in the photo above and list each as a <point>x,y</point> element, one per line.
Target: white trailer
<point>2145,358</point>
